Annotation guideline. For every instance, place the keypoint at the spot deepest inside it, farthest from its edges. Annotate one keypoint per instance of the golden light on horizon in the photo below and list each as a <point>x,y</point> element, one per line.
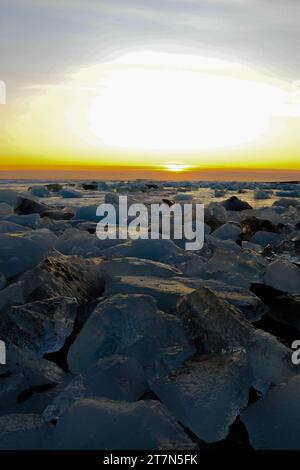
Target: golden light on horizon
<point>175,167</point>
<point>154,102</point>
<point>162,111</point>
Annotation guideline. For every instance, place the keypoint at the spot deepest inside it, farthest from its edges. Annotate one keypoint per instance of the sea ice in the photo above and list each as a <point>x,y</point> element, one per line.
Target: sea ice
<point>18,254</point>
<point>273,422</point>
<point>105,424</point>
<point>40,326</point>
<point>5,209</point>
<point>283,275</point>
<point>206,394</point>
<point>70,193</point>
<point>115,377</point>
<point>228,231</point>
<point>264,238</point>
<point>39,191</point>
<point>23,432</point>
<point>130,325</point>
<point>214,326</point>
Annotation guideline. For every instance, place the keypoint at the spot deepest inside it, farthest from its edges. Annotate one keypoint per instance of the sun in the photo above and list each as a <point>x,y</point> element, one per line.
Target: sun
<point>168,103</point>
<point>175,166</point>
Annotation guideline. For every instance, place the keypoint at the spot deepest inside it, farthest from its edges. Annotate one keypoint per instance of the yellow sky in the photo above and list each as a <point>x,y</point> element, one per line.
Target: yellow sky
<point>154,111</point>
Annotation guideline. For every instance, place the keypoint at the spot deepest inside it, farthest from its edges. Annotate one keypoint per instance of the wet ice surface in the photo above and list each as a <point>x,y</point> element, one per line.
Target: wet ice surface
<point>135,331</point>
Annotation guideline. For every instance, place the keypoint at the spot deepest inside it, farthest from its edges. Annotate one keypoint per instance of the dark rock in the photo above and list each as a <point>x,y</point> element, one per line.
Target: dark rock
<point>66,276</point>
<point>286,310</point>
<point>236,204</point>
<point>54,187</point>
<point>90,186</point>
<point>58,214</point>
<point>169,202</point>
<point>251,225</point>
<point>29,206</point>
<point>268,252</point>
<point>212,324</point>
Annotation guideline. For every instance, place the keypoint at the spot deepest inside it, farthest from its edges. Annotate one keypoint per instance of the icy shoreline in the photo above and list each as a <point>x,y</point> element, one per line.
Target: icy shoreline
<point>139,344</point>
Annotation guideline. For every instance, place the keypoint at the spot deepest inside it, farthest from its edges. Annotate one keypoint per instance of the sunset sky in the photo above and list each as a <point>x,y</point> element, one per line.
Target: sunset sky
<point>154,87</point>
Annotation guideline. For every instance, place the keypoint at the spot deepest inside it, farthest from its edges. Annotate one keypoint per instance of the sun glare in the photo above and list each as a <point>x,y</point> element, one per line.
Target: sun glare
<point>174,166</point>
<point>173,103</point>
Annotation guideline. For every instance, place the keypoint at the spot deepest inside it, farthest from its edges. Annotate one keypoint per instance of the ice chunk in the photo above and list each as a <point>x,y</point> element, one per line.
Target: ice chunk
<point>248,303</point>
<point>112,198</point>
<point>11,227</point>
<point>43,237</point>
<point>29,206</point>
<point>105,424</point>
<point>37,371</point>
<point>236,204</point>
<point>9,196</point>
<point>138,267</point>
<point>23,432</point>
<point>273,421</point>
<point>115,377</point>
<point>18,254</point>
<point>165,291</point>
<point>286,202</point>
<point>2,281</point>
<point>39,191</point>
<point>30,220</point>
<point>130,325</point>
<point>266,238</point>
<point>261,194</point>
<point>247,263</point>
<point>41,326</point>
<point>54,214</point>
<point>66,276</point>
<point>215,326</point>
<point>283,275</point>
<point>5,209</point>
<point>164,251</point>
<point>294,193</point>
<point>70,193</point>
<point>87,213</point>
<point>228,231</point>
<point>206,395</point>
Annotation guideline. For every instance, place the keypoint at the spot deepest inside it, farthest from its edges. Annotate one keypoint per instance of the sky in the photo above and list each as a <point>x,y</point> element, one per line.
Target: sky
<point>163,85</point>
